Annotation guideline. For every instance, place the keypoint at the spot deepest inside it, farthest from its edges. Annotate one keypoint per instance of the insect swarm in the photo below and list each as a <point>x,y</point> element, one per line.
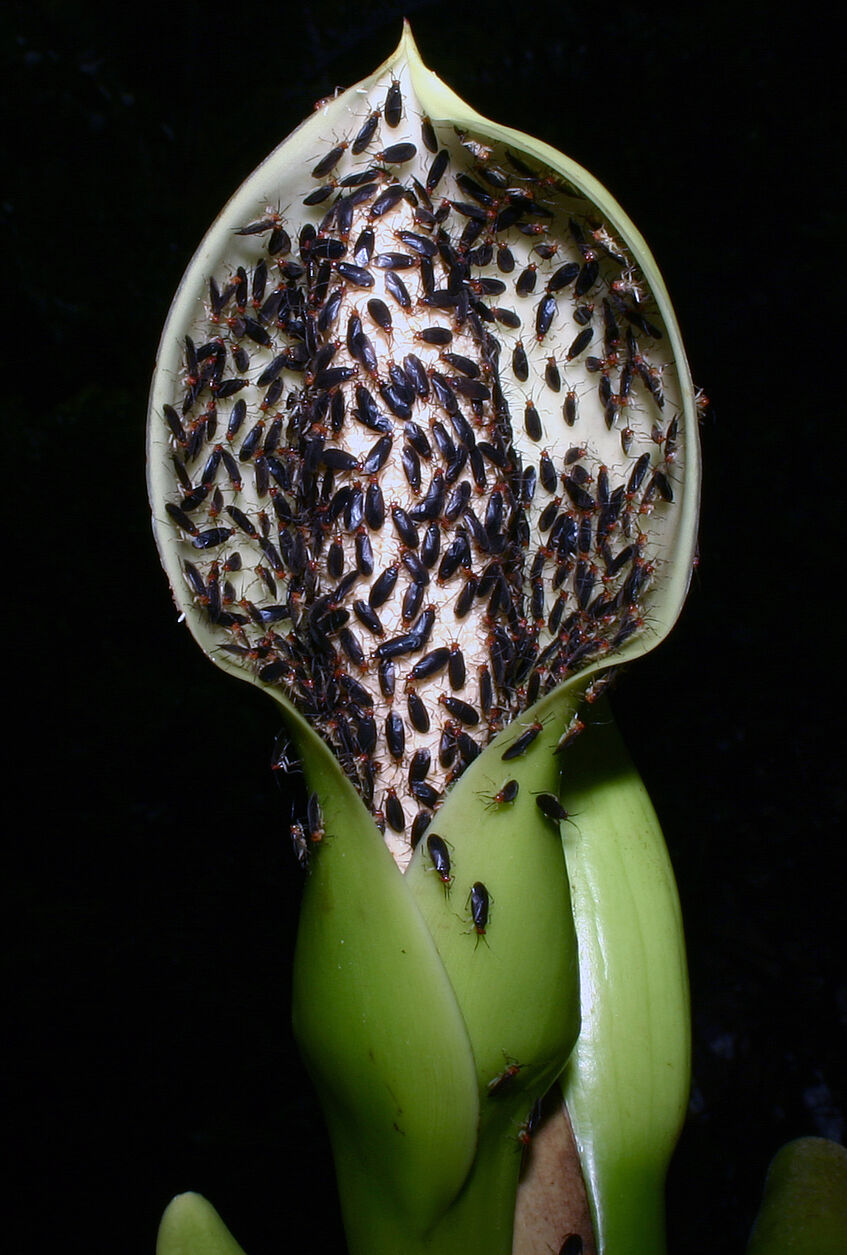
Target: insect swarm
<point>389,584</point>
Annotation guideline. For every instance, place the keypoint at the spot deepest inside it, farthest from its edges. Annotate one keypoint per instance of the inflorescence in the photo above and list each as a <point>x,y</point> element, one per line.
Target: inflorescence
<point>424,447</point>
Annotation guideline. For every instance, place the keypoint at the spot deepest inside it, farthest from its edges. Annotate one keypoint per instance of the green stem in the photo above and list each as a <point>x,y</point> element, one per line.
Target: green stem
<point>480,1220</point>
<point>626,1083</point>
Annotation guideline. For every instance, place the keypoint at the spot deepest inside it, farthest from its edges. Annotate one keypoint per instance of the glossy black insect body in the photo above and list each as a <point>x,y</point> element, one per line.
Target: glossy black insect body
<point>418,713</point>
<point>463,711</point>
<point>504,796</point>
<point>550,806</point>
<point>380,313</point>
<point>580,342</point>
<point>383,586</point>
<point>433,662</point>
<point>329,162</point>
<point>398,289</point>
<point>394,814</point>
<point>520,363</point>
<point>519,747</point>
<point>396,154</point>
<point>480,903</point>
<point>544,315</point>
<point>532,422</point>
<point>393,107</point>
<point>440,856</point>
<point>357,275</point>
<point>395,734</point>
<point>365,133</point>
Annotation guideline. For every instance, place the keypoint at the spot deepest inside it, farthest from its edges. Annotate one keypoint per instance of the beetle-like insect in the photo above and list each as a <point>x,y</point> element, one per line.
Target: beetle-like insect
<point>519,747</point>
<point>480,903</point>
<point>550,806</point>
<point>440,856</point>
<point>504,796</point>
<point>502,1083</point>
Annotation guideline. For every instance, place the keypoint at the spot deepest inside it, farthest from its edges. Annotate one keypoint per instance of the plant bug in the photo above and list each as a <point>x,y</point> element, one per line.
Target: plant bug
<point>571,732</point>
<point>480,903</point>
<point>436,848</point>
<point>282,758</point>
<point>550,806</point>
<point>315,820</point>
<point>504,796</point>
<point>522,744</point>
<point>300,844</point>
<point>527,1129</point>
<point>501,1083</point>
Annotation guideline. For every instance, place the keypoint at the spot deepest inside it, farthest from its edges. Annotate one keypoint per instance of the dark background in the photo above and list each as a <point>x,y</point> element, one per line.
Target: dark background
<point>153,899</point>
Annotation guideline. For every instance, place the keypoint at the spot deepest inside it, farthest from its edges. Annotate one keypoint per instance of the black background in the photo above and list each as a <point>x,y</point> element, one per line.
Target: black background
<point>153,899</point>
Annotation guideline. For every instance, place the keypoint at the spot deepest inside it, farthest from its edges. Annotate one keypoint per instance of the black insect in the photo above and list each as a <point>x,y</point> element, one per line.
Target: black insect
<point>480,903</point>
<point>395,734</point>
<point>636,478</point>
<point>418,713</point>
<point>383,586</point>
<point>181,519</point>
<point>456,668</point>
<point>428,135</point>
<point>532,421</point>
<point>212,537</point>
<point>435,335</point>
<point>579,343</point>
<point>412,600</point>
<point>544,315</point>
<point>439,854</point>
<point>393,810</point>
<point>431,543</point>
<point>387,676</point>
<point>393,261</point>
<point>550,806</point>
<point>463,711</point>
<point>660,483</point>
<point>396,154</point>
<point>319,195</point>
<point>330,161</point>
<point>397,288</point>
<point>380,313</point>
<point>519,747</point>
<point>436,170</point>
<point>587,277</point>
<point>393,108</point>
<point>547,472</point>
<point>433,662</point>
<point>501,1083</point>
<point>378,456</point>
<point>355,274</point>
<point>526,280</point>
<point>365,133</point>
<point>527,1129</point>
<point>504,796</point>
<point>406,529</point>
<point>363,248</point>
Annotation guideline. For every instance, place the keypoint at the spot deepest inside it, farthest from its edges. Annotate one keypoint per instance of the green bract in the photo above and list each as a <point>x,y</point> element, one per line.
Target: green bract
<point>423,461</point>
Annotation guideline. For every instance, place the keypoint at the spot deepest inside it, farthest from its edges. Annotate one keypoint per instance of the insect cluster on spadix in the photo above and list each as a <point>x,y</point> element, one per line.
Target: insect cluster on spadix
<point>424,446</point>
